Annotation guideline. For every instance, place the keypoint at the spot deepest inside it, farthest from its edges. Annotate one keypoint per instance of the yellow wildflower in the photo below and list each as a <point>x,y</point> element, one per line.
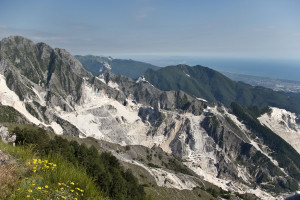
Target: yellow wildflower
<point>29,190</point>
<point>72,190</point>
<point>29,163</point>
<point>81,190</point>
<point>59,183</point>
<point>33,184</point>
<point>46,186</point>
<point>75,198</point>
<point>54,165</point>
<point>63,197</point>
<point>72,183</point>
<point>34,170</point>
<point>56,190</point>
<point>28,196</point>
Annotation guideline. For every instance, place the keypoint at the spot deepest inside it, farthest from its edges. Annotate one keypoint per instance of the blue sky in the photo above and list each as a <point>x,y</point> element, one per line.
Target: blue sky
<point>207,28</point>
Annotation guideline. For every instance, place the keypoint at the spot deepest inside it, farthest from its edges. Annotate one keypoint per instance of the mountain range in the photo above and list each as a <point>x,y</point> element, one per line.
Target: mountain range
<point>202,82</point>
<point>98,65</point>
<point>182,130</point>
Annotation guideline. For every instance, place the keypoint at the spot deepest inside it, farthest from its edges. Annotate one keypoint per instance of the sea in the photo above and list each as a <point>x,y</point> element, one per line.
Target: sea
<point>272,68</point>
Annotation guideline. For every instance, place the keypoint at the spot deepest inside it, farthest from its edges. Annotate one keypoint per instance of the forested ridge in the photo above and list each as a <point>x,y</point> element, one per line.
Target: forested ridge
<point>213,86</point>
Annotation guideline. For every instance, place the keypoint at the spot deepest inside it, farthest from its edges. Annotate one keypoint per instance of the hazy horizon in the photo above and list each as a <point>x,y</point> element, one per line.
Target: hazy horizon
<point>251,37</point>
<point>288,69</point>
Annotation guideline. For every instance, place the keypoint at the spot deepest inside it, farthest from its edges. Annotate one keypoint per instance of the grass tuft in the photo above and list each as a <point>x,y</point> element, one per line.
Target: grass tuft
<point>52,177</point>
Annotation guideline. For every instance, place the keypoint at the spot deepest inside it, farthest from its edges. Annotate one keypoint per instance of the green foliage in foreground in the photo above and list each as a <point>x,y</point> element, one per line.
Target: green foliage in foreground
<point>287,157</point>
<point>105,169</point>
<point>30,181</point>
<point>213,86</point>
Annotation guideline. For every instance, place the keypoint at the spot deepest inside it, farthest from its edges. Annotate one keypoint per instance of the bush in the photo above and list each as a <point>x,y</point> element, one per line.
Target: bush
<point>104,168</point>
<point>36,178</point>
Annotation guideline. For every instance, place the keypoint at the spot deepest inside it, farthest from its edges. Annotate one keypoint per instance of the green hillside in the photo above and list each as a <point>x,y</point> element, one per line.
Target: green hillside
<point>211,85</point>
<point>29,174</point>
<point>130,68</point>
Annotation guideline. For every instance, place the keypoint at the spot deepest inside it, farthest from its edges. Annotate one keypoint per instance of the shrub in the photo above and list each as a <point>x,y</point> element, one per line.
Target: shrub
<point>104,168</point>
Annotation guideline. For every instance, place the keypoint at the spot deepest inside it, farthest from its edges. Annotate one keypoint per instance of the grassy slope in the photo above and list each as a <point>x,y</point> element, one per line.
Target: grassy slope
<point>213,86</point>
<point>28,181</point>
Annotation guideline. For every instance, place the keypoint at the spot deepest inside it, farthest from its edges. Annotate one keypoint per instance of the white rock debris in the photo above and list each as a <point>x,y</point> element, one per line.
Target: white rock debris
<point>284,124</point>
<point>9,98</point>
<point>200,99</point>
<point>107,65</point>
<point>103,118</point>
<point>187,74</point>
<point>5,136</point>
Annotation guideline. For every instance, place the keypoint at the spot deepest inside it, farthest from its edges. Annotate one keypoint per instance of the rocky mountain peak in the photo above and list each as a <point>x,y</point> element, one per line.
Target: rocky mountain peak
<point>18,40</point>
<point>25,64</point>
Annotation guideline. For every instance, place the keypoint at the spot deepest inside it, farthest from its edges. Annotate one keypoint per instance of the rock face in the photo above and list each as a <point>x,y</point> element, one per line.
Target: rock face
<point>5,136</point>
<point>51,88</point>
<point>5,159</point>
<point>54,72</point>
<point>42,78</point>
